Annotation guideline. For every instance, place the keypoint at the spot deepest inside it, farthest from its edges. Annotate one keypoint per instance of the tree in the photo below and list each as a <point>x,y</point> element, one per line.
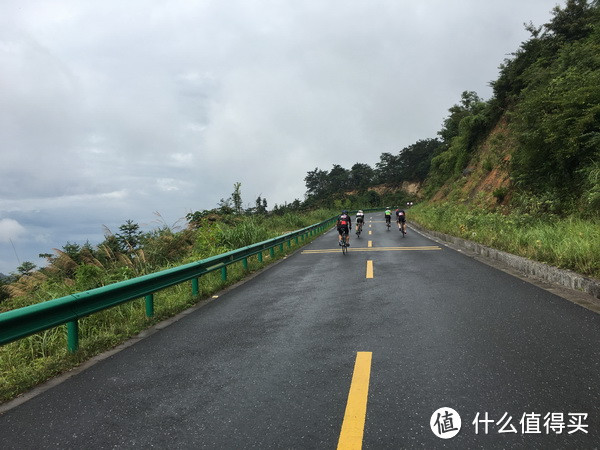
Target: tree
<point>26,268</point>
<point>470,104</point>
<point>261,205</point>
<point>388,169</point>
<point>236,198</point>
<point>415,159</point>
<point>130,235</point>
<point>224,206</point>
<point>361,176</point>
<point>73,251</point>
<point>338,179</point>
<point>317,183</point>
<point>574,21</point>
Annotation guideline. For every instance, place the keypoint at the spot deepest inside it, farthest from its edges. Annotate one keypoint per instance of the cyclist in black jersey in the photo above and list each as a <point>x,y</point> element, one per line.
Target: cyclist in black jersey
<point>344,225</point>
<point>401,220</point>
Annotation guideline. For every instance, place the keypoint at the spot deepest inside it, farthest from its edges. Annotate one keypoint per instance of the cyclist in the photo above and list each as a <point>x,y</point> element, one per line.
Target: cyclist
<point>388,215</point>
<point>360,219</point>
<point>344,225</point>
<point>401,220</point>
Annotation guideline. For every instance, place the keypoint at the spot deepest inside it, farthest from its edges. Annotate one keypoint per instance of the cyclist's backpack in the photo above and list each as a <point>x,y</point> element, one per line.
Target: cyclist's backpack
<point>343,220</point>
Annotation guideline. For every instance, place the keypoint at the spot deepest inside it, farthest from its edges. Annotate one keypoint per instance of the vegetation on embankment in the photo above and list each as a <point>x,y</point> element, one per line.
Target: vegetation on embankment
<point>569,243</point>
<point>32,360</point>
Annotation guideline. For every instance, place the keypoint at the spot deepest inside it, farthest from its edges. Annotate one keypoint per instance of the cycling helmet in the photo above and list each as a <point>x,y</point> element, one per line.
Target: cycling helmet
<point>360,210</point>
<point>344,212</point>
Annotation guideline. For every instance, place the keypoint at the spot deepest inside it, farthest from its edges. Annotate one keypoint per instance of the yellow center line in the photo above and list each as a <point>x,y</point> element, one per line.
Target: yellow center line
<point>370,232</point>
<point>369,268</point>
<point>369,226</point>
<point>353,426</point>
<point>370,244</point>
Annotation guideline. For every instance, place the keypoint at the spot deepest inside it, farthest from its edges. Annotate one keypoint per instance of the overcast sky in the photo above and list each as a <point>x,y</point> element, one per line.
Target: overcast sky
<point>113,110</point>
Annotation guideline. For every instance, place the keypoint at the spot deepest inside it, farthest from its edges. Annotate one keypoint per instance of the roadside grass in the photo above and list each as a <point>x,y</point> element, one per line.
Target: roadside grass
<point>568,243</point>
<point>37,358</point>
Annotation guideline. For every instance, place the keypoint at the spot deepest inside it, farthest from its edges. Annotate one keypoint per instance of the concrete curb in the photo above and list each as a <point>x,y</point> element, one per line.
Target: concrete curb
<point>527,267</point>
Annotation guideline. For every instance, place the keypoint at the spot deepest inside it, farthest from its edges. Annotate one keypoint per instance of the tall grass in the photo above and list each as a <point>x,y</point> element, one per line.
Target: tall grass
<point>30,361</point>
<point>569,243</point>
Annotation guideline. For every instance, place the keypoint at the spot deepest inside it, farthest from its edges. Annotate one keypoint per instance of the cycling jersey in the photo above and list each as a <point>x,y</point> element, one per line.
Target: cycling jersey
<point>344,221</point>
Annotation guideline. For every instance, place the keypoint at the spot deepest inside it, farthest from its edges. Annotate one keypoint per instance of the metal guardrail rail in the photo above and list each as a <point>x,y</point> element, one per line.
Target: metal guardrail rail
<point>23,322</point>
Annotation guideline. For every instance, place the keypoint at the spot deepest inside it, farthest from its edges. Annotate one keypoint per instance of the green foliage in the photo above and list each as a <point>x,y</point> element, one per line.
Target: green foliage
<point>372,199</point>
<point>466,126</point>
<point>26,268</point>
<point>415,160</point>
<point>236,197</point>
<point>245,233</point>
<point>3,291</point>
<point>89,277</point>
<point>500,193</point>
<point>261,206</point>
<point>129,236</point>
<point>360,176</point>
<point>558,125</point>
<point>163,247</point>
<point>565,242</point>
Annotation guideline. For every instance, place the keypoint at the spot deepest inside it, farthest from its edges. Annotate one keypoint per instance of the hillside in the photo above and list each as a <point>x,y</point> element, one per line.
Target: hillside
<point>536,144</point>
<point>534,147</point>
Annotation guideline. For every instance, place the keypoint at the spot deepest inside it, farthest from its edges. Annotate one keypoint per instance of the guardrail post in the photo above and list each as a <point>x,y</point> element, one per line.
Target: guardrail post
<point>289,243</point>
<point>260,256</point>
<point>245,263</point>
<point>224,273</point>
<point>281,247</point>
<point>272,251</point>
<point>72,336</point>
<point>296,240</point>
<point>150,301</point>
<point>195,287</point>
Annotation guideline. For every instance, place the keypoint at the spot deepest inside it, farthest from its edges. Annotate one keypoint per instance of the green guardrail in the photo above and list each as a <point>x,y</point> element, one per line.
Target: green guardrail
<point>23,322</point>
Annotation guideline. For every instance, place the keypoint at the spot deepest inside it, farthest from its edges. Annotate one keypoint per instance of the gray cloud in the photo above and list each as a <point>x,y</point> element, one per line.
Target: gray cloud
<point>113,110</point>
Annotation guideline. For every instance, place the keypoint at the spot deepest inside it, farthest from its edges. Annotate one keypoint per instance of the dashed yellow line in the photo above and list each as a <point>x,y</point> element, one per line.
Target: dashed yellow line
<point>370,268</point>
<point>353,426</point>
<point>370,232</point>
<point>370,244</point>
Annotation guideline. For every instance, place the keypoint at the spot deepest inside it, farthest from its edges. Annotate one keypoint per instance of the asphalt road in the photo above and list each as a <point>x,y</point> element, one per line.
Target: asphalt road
<point>270,364</point>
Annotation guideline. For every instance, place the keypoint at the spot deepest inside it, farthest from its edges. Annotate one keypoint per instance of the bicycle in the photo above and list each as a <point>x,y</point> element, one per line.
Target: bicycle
<point>402,228</point>
<point>358,229</point>
<point>388,224</point>
<point>344,243</point>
